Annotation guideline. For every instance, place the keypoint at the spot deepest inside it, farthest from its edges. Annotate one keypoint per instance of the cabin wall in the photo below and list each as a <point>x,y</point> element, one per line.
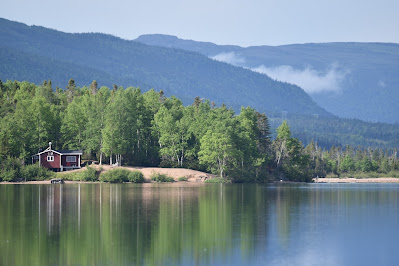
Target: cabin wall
<point>70,164</point>
<point>45,163</point>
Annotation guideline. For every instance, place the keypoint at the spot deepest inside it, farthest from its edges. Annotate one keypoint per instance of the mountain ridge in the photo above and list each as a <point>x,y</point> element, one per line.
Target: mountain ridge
<point>176,71</point>
<point>359,79</point>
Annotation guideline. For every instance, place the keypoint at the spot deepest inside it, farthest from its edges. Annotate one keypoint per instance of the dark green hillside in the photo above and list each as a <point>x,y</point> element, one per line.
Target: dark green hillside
<point>178,72</point>
<point>19,65</point>
<point>339,132</point>
<point>369,89</point>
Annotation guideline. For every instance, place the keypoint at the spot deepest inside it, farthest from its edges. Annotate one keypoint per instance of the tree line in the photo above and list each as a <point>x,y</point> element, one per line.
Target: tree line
<point>127,127</point>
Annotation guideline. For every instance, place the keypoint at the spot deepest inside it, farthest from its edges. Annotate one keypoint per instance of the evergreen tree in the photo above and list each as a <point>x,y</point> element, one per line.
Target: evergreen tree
<point>70,90</point>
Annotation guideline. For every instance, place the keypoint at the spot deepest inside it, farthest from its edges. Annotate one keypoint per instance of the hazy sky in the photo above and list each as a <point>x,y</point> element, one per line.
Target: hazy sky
<point>246,23</point>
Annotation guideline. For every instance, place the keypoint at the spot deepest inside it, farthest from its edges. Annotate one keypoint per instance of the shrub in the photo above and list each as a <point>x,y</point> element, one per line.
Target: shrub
<point>216,180</point>
<point>393,174</point>
<point>36,172</point>
<point>136,177</point>
<point>157,177</point>
<point>117,175</point>
<point>9,174</point>
<point>183,178</point>
<point>73,176</point>
<point>10,169</point>
<point>90,174</point>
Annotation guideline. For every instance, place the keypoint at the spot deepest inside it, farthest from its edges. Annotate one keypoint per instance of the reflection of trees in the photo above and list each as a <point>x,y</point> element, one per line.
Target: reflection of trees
<point>124,224</point>
<point>159,223</point>
<point>283,204</point>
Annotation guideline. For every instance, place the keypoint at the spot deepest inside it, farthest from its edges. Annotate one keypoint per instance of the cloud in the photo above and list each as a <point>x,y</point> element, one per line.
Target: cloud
<point>309,79</point>
<point>230,58</point>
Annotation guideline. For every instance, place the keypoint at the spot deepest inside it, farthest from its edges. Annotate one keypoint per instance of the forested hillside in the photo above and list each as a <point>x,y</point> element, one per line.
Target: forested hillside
<point>354,80</point>
<point>128,127</point>
<point>112,60</point>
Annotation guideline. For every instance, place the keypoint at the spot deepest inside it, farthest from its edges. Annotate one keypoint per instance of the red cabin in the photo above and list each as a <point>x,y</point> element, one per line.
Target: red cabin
<point>58,160</point>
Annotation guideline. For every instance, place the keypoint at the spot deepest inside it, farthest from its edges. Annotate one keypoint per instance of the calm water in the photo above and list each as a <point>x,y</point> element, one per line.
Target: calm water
<point>197,224</point>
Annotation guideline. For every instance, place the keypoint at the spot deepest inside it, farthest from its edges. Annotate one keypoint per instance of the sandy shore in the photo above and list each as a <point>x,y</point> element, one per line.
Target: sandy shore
<point>355,180</point>
<point>192,175</point>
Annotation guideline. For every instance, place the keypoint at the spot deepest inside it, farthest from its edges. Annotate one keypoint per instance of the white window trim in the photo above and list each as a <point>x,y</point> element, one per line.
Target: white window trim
<point>50,158</point>
<point>68,159</point>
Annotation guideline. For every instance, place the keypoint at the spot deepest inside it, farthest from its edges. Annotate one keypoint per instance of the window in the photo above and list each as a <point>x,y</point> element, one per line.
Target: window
<point>71,159</point>
<point>50,158</point>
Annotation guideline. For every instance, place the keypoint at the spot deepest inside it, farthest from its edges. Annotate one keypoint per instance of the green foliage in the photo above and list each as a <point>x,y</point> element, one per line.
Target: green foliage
<point>89,174</point>
<point>13,170</point>
<point>182,178</point>
<point>71,176</point>
<point>10,169</point>
<point>36,172</point>
<point>291,159</point>
<point>157,177</point>
<point>117,175</point>
<point>217,180</point>
<point>216,150</point>
<point>173,121</point>
<point>136,177</point>
<point>120,175</point>
<point>348,164</point>
<point>152,130</point>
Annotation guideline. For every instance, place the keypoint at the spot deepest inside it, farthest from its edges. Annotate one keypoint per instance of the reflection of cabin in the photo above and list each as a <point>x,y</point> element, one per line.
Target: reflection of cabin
<point>57,181</point>
<point>58,160</point>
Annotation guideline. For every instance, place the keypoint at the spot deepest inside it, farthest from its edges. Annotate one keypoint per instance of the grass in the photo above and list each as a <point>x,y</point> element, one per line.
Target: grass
<point>182,178</point>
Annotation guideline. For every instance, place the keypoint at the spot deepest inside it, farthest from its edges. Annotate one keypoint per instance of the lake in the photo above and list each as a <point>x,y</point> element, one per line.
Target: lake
<point>199,224</point>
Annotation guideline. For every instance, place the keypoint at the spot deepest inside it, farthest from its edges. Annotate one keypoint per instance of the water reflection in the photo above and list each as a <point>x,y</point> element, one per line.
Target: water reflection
<point>158,224</point>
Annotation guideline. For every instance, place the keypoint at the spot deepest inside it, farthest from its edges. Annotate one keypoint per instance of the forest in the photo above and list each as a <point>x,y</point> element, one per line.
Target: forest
<point>127,127</point>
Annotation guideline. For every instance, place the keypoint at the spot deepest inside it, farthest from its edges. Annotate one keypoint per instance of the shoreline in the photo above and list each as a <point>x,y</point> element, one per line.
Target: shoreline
<point>193,176</point>
<point>357,180</point>
<point>382,180</point>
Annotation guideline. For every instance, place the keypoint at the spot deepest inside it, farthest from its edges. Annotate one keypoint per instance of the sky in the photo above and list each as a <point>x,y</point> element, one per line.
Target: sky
<point>238,22</point>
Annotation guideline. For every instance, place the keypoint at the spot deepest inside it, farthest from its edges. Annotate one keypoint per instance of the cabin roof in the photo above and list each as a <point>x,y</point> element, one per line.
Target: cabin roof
<point>66,152</point>
<point>62,152</point>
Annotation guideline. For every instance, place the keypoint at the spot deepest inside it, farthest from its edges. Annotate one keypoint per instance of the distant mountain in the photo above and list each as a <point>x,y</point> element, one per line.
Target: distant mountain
<point>355,80</point>
<point>36,53</point>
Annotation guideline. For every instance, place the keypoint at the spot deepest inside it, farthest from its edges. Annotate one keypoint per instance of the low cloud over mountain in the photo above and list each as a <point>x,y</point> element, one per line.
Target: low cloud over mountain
<point>230,58</point>
<point>309,79</point>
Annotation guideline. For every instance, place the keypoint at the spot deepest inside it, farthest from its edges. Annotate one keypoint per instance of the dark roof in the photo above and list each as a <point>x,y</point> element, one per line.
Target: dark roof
<point>70,151</point>
<point>62,152</point>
